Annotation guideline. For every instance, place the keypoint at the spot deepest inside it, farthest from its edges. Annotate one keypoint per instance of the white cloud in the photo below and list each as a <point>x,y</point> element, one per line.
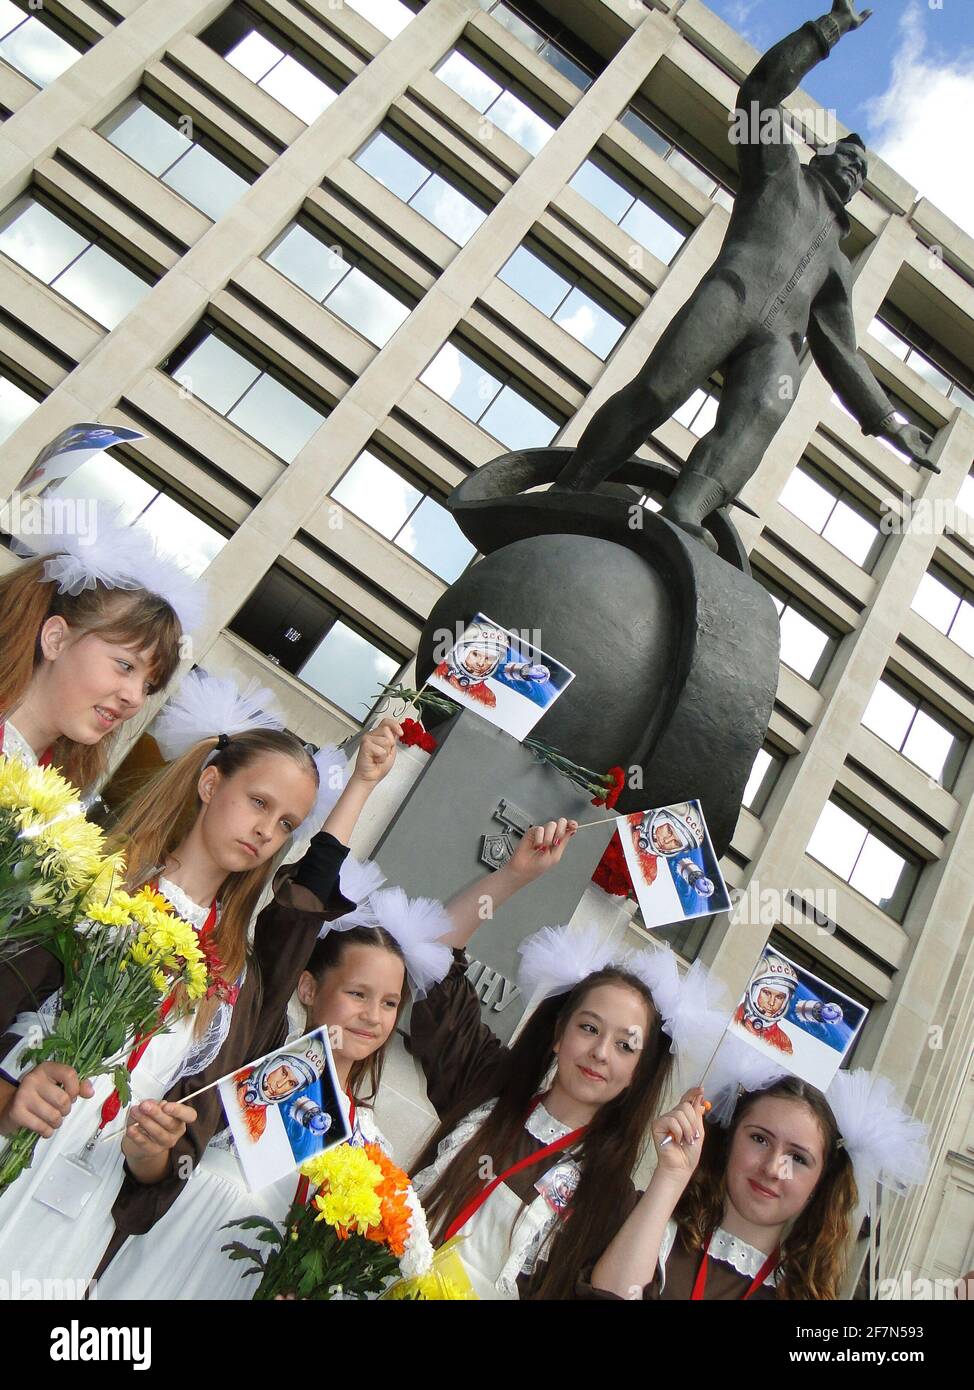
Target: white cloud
<point>921,124</point>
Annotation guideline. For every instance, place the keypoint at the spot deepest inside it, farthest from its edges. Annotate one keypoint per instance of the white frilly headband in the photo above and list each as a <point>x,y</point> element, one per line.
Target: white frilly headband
<point>119,557</point>
<point>555,959</point>
<point>205,706</point>
<point>884,1141</point>
<point>415,924</point>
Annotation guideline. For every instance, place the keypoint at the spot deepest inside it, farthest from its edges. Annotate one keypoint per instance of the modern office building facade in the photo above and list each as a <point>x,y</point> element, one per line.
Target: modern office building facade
<point>330,256</point>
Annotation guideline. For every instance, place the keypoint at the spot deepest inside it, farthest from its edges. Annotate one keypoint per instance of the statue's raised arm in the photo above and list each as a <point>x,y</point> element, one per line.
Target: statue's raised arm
<point>760,138</point>
<point>780,278</point>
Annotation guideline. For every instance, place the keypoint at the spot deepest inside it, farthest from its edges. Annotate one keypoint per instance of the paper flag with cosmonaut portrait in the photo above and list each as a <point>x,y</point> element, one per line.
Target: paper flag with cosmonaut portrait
<point>805,1024</point>
<point>69,450</point>
<point>284,1109</point>
<point>672,864</point>
<point>501,675</point>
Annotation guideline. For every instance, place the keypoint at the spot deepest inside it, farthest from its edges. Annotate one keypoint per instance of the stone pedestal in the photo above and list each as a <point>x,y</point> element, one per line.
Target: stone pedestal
<point>432,845</point>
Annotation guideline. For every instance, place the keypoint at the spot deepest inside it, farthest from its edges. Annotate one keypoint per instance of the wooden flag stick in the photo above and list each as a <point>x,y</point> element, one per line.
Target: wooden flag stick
<point>668,1139</point>
<point>113,1134</point>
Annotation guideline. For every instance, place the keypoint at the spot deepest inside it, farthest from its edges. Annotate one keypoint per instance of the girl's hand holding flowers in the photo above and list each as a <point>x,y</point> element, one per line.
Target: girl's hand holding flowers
<point>377,751</point>
<point>43,1098</point>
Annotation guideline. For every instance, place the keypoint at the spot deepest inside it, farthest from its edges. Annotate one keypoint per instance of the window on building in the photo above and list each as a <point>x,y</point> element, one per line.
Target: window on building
<point>808,642</point>
<point>917,729</point>
<point>835,514</point>
<point>488,399</point>
<point>340,280</point>
<point>965,497</point>
<point>406,514</point>
<point>71,261</point>
<point>947,606</point>
<point>307,636</point>
<point>15,405</point>
<point>508,112</point>
<point>283,69</point>
<point>152,136</point>
<point>765,771</point>
<point>563,296</point>
<point>178,532</point>
<point>866,857</point>
<point>31,44</point>
<point>422,186</point>
<point>539,42</point>
<point>668,149</point>
<point>237,386</point>
<point>636,211</point>
<point>699,413</point>
<point>946,382</point>
<point>390,17</point>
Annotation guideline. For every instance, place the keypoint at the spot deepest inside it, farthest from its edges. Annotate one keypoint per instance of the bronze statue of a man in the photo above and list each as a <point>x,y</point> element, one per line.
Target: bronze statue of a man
<point>780,278</point>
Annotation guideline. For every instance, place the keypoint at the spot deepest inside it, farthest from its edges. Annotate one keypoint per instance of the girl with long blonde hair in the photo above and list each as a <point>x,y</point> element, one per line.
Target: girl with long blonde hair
<point>206,831</point>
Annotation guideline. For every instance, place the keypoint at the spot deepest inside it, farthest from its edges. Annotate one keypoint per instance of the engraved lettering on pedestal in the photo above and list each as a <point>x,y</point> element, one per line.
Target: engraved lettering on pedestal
<point>493,989</point>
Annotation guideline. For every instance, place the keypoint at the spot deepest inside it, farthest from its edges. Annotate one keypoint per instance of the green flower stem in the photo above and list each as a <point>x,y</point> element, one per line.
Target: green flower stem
<point>17,1154</point>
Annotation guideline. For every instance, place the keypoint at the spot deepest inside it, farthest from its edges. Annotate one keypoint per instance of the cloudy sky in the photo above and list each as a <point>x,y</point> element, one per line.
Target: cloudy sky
<point>905,81</point>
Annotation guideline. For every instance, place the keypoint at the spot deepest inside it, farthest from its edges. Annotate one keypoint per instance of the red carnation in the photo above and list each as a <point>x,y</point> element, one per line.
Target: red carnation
<point>415,736</point>
<point>612,873</point>
<point>611,795</point>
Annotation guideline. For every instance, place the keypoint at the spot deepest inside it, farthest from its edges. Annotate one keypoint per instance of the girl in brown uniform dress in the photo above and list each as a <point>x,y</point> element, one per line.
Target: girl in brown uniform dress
<point>207,831</point>
<point>765,1208</point>
<point>531,1163</point>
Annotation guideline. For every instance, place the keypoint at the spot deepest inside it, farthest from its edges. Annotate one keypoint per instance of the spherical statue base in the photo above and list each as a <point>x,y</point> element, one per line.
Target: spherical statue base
<point>674,647</point>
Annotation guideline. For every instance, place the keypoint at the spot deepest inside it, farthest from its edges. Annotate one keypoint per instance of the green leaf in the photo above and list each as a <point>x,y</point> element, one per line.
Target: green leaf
<point>122,1086</point>
<point>253,1223</point>
<point>238,1251</point>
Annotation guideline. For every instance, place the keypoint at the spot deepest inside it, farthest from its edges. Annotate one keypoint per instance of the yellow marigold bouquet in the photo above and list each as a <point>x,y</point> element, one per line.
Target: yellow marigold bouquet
<point>50,853</point>
<point>132,969</point>
<point>363,1227</point>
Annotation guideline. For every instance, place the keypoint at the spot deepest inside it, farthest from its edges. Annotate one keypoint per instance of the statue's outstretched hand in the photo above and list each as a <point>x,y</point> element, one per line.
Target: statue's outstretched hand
<point>845,13</point>
<point>914,442</point>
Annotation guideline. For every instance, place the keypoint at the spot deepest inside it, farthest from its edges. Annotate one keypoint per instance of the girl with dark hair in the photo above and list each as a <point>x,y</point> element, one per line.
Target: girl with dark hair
<point>765,1208</point>
<point>206,832</point>
<point>85,636</point>
<point>552,1126</point>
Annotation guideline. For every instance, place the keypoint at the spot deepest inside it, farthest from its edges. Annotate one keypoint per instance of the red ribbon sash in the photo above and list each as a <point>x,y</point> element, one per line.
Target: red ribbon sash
<point>700,1283</point>
<point>474,1205</point>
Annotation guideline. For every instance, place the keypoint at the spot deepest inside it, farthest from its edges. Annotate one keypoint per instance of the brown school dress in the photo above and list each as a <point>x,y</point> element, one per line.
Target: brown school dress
<point>461,1056</point>
<point>285,932</point>
<point>725,1282</point>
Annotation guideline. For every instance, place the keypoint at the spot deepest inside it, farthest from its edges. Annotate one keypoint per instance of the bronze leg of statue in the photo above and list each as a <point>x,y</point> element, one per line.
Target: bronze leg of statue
<point>760,384</point>
<point>703,334</point>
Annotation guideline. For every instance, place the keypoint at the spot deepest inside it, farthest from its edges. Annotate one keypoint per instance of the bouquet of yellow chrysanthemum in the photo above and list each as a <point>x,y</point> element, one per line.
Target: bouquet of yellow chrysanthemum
<point>132,969</point>
<point>50,853</point>
<point>363,1227</point>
